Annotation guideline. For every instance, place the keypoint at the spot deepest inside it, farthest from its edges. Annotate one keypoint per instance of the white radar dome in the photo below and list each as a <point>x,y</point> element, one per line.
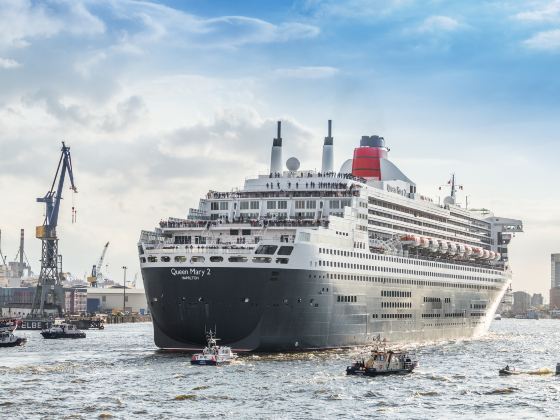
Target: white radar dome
<point>292,164</point>
<point>346,167</point>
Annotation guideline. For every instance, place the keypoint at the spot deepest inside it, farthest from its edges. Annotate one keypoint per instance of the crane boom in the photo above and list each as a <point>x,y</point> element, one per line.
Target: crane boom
<point>50,282</point>
<point>96,273</point>
<point>102,258</point>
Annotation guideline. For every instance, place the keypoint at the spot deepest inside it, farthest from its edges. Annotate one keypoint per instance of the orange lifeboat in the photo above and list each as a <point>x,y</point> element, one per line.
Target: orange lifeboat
<point>424,242</point>
<point>492,255</point>
<point>478,252</point>
<point>410,240</point>
<point>498,256</point>
<point>468,250</point>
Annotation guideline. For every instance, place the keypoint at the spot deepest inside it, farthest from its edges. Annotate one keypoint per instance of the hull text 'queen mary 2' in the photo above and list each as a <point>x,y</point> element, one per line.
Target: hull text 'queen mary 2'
<point>300,259</point>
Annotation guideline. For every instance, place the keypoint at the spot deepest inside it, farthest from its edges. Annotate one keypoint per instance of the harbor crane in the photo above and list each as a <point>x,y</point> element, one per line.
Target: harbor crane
<point>96,274</point>
<point>49,293</point>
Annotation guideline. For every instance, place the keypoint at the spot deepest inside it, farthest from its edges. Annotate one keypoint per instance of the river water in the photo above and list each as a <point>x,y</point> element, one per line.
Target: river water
<point>118,373</point>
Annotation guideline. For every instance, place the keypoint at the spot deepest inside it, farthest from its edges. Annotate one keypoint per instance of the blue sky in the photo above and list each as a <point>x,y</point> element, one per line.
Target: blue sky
<point>162,101</point>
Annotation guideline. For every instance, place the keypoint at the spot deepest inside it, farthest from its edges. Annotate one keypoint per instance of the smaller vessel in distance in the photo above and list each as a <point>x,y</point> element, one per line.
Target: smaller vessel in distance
<point>497,317</point>
<point>63,330</point>
<point>8,324</point>
<point>8,339</point>
<point>507,371</point>
<point>213,354</point>
<point>383,363</point>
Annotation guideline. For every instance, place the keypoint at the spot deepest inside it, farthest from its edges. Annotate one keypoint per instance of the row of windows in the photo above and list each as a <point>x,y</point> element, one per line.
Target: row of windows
<point>396,293</point>
<point>246,205</point>
<point>214,258</point>
<point>394,316</point>
<point>219,205</point>
<point>478,306</point>
<point>352,299</point>
<point>431,299</point>
<point>338,264</point>
<point>473,234</point>
<point>411,261</point>
<point>306,204</point>
<point>431,315</point>
<point>386,280</point>
<point>270,205</point>
<point>396,305</point>
<point>455,315</point>
<point>467,221</point>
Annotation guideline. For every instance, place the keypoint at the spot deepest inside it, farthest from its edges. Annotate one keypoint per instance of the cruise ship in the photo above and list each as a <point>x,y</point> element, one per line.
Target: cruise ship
<point>305,259</point>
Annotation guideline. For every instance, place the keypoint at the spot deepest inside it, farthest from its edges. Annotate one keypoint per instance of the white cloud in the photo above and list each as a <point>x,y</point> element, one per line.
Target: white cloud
<point>549,12</point>
<point>158,22</point>
<point>23,20</point>
<point>307,72</point>
<point>438,24</point>
<point>544,41</point>
<point>355,9</point>
<point>8,63</point>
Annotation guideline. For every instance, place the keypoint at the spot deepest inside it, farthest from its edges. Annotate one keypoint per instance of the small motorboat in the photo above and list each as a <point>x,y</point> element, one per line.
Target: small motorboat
<point>497,317</point>
<point>507,371</point>
<point>8,324</point>
<point>213,354</point>
<point>383,363</point>
<point>8,339</point>
<point>63,330</point>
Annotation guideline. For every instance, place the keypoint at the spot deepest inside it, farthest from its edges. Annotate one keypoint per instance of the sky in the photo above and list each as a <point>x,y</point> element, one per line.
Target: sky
<point>161,102</point>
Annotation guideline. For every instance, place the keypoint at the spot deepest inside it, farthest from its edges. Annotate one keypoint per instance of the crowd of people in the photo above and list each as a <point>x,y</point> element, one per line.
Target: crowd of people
<point>260,223</point>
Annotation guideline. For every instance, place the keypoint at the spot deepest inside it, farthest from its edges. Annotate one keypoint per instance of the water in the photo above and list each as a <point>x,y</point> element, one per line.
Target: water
<point>118,373</point>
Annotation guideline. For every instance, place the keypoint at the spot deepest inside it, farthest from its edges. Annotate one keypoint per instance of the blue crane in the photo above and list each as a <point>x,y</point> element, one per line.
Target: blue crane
<point>49,292</point>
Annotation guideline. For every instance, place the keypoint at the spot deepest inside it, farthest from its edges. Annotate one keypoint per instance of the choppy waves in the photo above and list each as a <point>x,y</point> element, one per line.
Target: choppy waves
<point>118,374</point>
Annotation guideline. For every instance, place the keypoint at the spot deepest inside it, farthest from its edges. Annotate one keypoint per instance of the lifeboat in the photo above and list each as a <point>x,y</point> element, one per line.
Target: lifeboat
<point>461,250</point>
<point>410,240</point>
<point>451,248</point>
<point>424,242</point>
<point>468,250</point>
<point>443,247</point>
<point>492,255</point>
<point>478,252</point>
<point>434,245</point>
<point>498,256</point>
<point>485,254</point>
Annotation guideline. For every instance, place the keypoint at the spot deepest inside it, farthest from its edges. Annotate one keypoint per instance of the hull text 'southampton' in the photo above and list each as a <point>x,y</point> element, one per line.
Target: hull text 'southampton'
<point>306,259</point>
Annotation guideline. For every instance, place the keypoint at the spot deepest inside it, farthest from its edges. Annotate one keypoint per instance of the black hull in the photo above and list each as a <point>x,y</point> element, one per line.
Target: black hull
<point>19,342</point>
<point>374,372</point>
<point>271,310</point>
<point>53,336</point>
<point>203,363</point>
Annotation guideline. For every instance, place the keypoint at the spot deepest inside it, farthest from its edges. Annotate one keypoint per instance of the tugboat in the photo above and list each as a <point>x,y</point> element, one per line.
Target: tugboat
<point>383,363</point>
<point>8,324</point>
<point>63,330</point>
<point>8,339</point>
<point>213,354</point>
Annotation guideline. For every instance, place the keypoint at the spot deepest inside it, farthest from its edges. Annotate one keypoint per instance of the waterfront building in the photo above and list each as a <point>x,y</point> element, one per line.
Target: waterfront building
<point>76,300</point>
<point>109,299</point>
<point>521,302</point>
<point>555,281</point>
<point>537,300</point>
